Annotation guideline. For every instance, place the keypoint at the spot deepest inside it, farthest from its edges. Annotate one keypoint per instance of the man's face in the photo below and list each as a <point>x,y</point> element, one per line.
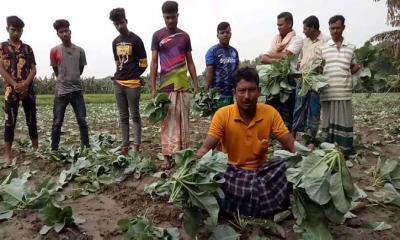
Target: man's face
<point>121,26</point>
<point>284,27</point>
<point>171,20</point>
<point>336,29</point>
<point>224,36</point>
<point>14,33</point>
<point>308,31</point>
<point>64,34</point>
<point>246,94</point>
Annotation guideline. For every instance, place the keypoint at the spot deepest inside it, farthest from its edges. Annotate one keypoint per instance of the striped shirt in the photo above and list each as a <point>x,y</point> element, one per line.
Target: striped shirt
<point>337,68</point>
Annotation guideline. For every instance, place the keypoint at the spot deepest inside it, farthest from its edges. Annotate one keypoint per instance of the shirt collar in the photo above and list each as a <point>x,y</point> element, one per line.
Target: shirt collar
<point>344,42</point>
<point>258,117</point>
<point>11,44</point>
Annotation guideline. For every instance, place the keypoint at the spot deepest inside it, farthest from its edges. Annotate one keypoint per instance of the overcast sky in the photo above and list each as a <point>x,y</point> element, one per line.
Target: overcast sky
<point>253,24</point>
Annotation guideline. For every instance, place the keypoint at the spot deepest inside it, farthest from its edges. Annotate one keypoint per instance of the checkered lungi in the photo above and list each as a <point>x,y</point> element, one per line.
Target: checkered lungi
<point>259,193</point>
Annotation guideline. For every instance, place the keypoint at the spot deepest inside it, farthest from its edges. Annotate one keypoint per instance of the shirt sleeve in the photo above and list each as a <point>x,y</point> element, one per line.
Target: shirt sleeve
<point>295,45</point>
<point>31,56</point>
<point>82,58</point>
<point>188,47</point>
<point>217,125</point>
<point>141,54</point>
<point>1,51</point>
<point>114,49</point>
<point>155,43</point>
<point>55,57</point>
<point>210,57</point>
<point>278,126</point>
<point>237,59</point>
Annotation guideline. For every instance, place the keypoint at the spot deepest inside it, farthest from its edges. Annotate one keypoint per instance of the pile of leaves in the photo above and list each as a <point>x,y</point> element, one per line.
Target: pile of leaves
<point>367,78</point>
<point>92,168</point>
<point>194,187</point>
<point>157,108</point>
<point>143,228</point>
<point>322,191</point>
<point>277,79</point>
<point>206,103</point>
<point>387,174</point>
<point>15,194</point>
<point>312,78</point>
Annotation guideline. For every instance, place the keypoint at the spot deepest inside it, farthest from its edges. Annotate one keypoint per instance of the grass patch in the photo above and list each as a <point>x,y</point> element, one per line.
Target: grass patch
<point>42,100</point>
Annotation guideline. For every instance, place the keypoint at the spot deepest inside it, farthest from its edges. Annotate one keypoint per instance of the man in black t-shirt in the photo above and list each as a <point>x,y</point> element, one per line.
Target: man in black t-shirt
<point>131,62</point>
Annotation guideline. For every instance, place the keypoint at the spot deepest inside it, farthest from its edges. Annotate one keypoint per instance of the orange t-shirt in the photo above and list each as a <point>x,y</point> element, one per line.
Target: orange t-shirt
<point>242,142</point>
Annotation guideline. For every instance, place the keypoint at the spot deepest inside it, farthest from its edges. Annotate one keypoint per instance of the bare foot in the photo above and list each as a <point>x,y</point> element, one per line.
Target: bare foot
<point>167,164</point>
<point>136,148</point>
<point>124,151</point>
<point>311,146</point>
<point>8,159</point>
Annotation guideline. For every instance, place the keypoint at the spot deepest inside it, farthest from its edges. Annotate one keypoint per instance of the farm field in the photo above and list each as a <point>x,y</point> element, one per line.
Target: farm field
<point>377,126</point>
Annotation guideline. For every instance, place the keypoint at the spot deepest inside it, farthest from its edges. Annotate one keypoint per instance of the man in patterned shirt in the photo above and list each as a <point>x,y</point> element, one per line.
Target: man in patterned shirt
<point>222,60</point>
<point>174,48</point>
<point>18,69</point>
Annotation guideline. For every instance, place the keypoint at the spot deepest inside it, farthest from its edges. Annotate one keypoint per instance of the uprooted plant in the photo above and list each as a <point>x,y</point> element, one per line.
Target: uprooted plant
<point>194,187</point>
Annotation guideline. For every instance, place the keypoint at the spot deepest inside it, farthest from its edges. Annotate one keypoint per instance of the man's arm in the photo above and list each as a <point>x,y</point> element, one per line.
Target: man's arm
<point>274,56</point>
<point>81,69</point>
<point>153,72</point>
<point>192,71</point>
<point>209,77</point>
<point>287,142</point>
<point>354,68</point>
<point>7,76</point>
<point>209,143</point>
<point>55,69</point>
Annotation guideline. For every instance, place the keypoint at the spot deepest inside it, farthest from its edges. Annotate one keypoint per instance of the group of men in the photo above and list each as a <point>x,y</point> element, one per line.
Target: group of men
<point>253,186</point>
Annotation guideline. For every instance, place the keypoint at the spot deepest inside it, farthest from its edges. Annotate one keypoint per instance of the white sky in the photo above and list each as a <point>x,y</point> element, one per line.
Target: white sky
<point>253,24</point>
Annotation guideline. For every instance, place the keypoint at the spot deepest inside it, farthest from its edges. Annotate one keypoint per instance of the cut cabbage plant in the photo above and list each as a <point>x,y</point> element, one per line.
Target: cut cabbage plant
<point>194,187</point>
<point>277,79</point>
<point>143,228</point>
<point>206,103</point>
<point>157,108</point>
<point>322,191</point>
<point>312,78</point>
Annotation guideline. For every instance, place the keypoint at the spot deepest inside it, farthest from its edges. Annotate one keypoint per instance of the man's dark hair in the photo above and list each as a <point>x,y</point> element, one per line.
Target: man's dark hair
<point>337,18</point>
<point>60,23</point>
<point>287,16</point>
<point>312,21</point>
<point>15,22</point>
<point>222,26</point>
<point>117,14</point>
<point>245,73</point>
<point>170,7</point>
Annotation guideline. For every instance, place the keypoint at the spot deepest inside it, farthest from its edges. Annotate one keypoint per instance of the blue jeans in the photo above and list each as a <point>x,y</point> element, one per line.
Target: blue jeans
<point>78,104</point>
<point>307,112</point>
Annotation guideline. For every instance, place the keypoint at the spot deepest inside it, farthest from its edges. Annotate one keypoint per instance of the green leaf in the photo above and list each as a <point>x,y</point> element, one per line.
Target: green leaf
<point>224,232</point>
<point>192,221</point>
<point>336,190</point>
<point>377,226</point>
<point>45,229</point>
<point>6,215</point>
<point>391,195</point>
<point>317,188</point>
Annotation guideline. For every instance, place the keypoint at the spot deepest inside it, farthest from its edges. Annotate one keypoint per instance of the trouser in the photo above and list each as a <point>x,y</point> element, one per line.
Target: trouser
<point>12,100</point>
<point>128,103</point>
<point>78,104</point>
<point>285,109</point>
